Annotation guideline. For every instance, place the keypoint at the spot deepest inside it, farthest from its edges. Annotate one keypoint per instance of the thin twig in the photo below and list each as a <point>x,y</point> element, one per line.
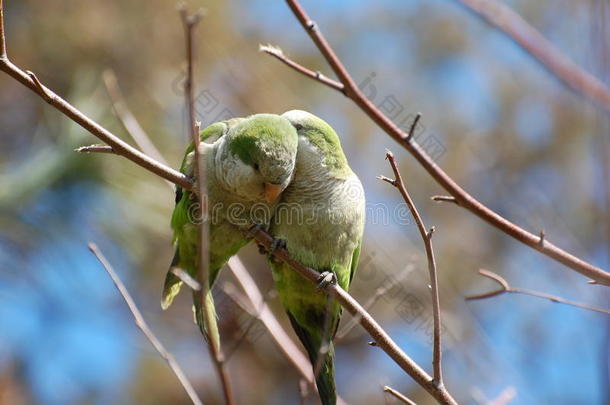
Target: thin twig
<point>426,236</point>
<point>186,278</point>
<point>563,68</point>
<point>190,22</point>
<point>141,323</point>
<point>398,395</point>
<point>506,288</point>
<point>94,149</point>
<point>278,54</point>
<point>444,198</point>
<point>126,117</point>
<point>384,341</point>
<point>3,54</point>
<point>351,90</point>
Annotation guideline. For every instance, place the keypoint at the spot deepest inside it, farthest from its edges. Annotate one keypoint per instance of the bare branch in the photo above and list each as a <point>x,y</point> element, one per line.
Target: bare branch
<point>382,339</point>
<point>351,90</point>
<point>94,149</point>
<point>563,68</point>
<point>186,278</point>
<point>506,288</point>
<point>125,116</point>
<point>141,323</point>
<point>3,54</point>
<point>444,198</point>
<point>427,238</point>
<point>190,22</point>
<point>278,54</point>
<point>398,395</point>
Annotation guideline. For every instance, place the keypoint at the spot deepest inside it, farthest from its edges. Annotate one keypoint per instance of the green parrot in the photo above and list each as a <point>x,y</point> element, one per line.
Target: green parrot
<point>248,163</point>
<point>320,220</point>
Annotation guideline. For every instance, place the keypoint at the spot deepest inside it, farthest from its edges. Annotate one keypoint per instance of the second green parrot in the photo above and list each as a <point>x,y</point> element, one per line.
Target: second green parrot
<point>321,221</point>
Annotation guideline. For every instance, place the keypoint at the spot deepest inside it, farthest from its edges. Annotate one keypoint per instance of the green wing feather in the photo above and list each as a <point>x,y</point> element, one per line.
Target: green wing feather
<point>180,218</point>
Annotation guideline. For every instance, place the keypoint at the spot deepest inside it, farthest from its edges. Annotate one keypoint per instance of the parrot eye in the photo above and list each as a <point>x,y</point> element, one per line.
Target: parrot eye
<point>298,127</point>
<point>256,167</point>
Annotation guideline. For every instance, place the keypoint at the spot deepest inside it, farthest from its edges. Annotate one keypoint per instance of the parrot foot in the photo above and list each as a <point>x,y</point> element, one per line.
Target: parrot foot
<point>326,278</point>
<point>277,244</point>
<point>261,248</point>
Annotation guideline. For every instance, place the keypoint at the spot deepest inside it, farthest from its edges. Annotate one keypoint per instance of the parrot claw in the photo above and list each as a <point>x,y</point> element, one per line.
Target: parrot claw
<point>326,278</point>
<point>277,244</point>
<point>261,249</point>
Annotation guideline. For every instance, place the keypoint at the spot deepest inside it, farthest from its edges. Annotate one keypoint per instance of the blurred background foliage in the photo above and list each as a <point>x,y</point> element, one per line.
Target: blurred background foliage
<point>498,122</point>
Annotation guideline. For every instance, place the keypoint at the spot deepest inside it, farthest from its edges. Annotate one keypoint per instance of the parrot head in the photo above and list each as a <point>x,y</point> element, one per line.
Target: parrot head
<point>259,159</point>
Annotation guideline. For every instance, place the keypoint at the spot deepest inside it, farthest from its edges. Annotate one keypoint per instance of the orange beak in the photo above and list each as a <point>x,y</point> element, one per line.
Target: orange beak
<point>272,192</point>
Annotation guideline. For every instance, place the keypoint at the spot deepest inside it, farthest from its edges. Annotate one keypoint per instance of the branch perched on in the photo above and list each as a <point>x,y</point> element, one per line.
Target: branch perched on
<point>381,338</point>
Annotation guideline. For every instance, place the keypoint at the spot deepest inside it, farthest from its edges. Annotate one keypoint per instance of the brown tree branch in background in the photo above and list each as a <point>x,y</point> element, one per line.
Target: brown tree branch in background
<point>95,149</point>
<point>279,54</point>
<point>506,288</point>
<point>426,236</point>
<point>186,278</point>
<point>118,146</point>
<point>563,68</point>
<point>141,323</point>
<point>382,339</point>
<point>125,116</point>
<point>398,395</point>
<point>190,22</point>
<point>351,90</point>
<point>3,55</point>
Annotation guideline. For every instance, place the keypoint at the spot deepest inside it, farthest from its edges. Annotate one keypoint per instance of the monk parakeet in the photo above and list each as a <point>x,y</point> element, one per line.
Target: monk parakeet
<point>320,220</point>
<point>248,163</point>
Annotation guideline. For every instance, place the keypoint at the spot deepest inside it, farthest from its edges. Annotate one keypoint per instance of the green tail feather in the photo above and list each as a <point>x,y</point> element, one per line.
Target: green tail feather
<point>325,379</point>
<point>210,332</point>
